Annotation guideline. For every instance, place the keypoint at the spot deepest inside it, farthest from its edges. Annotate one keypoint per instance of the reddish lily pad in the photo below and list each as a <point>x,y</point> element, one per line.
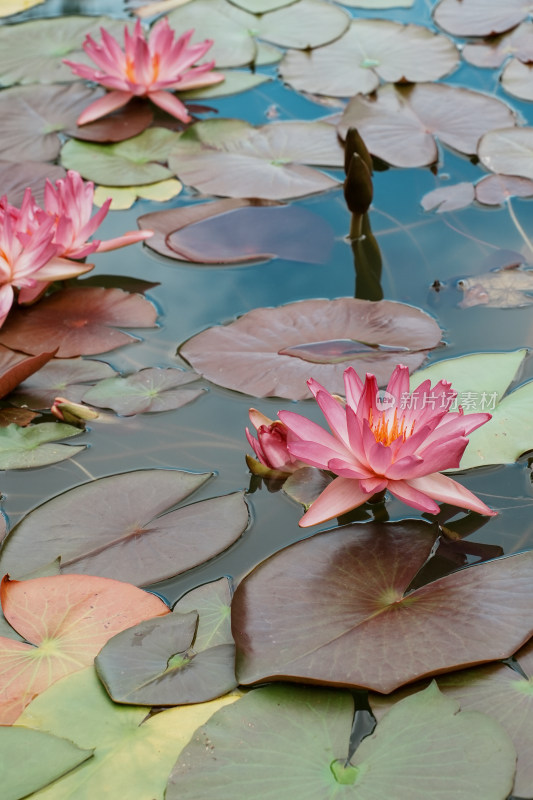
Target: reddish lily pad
<point>480,17</point>
<point>494,190</point>
<point>17,416</point>
<point>115,527</point>
<point>283,742</point>
<point>36,445</point>
<point>15,368</point>
<point>335,608</point>
<point>508,151</point>
<point>151,389</point>
<point>16,177</point>
<point>273,351</point>
<point>66,619</point>
<point>449,198</point>
<point>233,231</point>
<point>400,124</point>
<point>80,321</point>
<point>31,116</point>
<point>370,51</point>
<point>492,53</point>
<point>67,377</point>
<point>123,124</point>
<point>230,157</point>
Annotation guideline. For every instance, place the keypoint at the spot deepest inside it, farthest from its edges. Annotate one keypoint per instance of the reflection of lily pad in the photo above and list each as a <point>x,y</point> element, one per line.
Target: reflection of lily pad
<point>372,49</point>
<point>116,527</point>
<point>363,627</point>
<point>135,161</point>
<point>292,742</point>
<point>151,389</point>
<point>230,157</point>
<point>36,445</point>
<point>480,17</point>
<point>246,354</point>
<point>400,124</point>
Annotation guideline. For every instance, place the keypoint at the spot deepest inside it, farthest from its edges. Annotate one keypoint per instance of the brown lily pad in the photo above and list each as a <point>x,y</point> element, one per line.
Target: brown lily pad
<point>16,367</point>
<point>273,351</point>
<point>15,178</point>
<point>123,124</point>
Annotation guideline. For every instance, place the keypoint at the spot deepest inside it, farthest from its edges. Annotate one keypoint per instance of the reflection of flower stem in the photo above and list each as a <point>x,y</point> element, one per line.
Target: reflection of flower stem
<point>367,262</point>
<point>518,227</point>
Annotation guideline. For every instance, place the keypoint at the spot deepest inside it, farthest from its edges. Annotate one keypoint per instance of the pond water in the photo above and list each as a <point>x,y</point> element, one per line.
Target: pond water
<point>418,249</point>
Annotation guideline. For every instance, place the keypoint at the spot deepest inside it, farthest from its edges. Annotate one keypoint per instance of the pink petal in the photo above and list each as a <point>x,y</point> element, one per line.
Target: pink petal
<point>341,496</point>
<point>413,497</point>
<point>6,301</point>
<point>309,431</point>
<point>398,384</point>
<point>30,294</point>
<point>335,415</point>
<point>257,418</point>
<point>379,458</point>
<point>439,457</point>
<point>122,241</point>
<point>58,269</point>
<point>446,490</point>
<point>199,77</point>
<point>316,455</point>
<point>346,470</point>
<point>169,102</point>
<point>105,105</point>
<point>353,386</point>
<point>256,447</point>
<point>373,485</point>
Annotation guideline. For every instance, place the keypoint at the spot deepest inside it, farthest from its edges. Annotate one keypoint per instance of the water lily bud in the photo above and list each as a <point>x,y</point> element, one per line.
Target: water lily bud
<point>72,413</point>
<point>355,144</point>
<point>272,455</point>
<point>358,188</point>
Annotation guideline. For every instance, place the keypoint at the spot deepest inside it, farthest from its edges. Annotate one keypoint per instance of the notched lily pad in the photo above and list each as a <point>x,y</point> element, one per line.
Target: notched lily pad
<point>16,177</point>
<point>480,17</point>
<point>120,527</point>
<point>36,445</point>
<point>123,197</point>
<point>66,377</point>
<point>151,389</point>
<point>123,124</point>
<point>306,24</point>
<point>248,354</point>
<point>449,198</point>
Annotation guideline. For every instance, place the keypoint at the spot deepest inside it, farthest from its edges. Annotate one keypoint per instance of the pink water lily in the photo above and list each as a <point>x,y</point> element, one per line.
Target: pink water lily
<point>145,68</point>
<point>270,447</point>
<point>397,440</point>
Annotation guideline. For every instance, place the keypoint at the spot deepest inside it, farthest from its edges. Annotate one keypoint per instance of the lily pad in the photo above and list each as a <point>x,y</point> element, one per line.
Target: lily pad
<point>16,6</point>
<point>32,116</point>
<point>32,52</point>
<point>115,526</point>
<point>133,754</point>
<point>273,351</point>
<point>18,416</point>
<point>135,161</point>
<point>45,758</point>
<point>303,25</point>
<point>15,368</point>
<point>449,198</point>
<point>508,151</point>
<point>493,190</point>
<point>21,448</point>
<point>235,81</point>
<point>306,484</point>
<point>230,231</point>
<point>261,6</point>
<point>16,177</point>
<point>362,626</point>
<point>151,389</point>
<point>292,742</point>
<point>516,79</point>
<point>492,53</point>
<point>483,379</point>
<point>480,17</point>
<point>370,51</point>
<point>125,196</point>
<point>66,619</point>
<point>212,601</point>
<point>400,124</point>
<point>66,377</point>
<point>230,157</point>
<point>80,321</point>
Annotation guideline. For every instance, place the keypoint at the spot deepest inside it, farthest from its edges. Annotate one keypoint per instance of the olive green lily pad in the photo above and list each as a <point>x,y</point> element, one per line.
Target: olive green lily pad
<point>36,445</point>
<point>134,161</point>
<point>235,81</point>
<point>292,742</point>
<point>133,754</point>
<point>261,6</point>
<point>267,54</point>
<point>231,158</point>
<point>372,50</point>
<point>32,759</point>
<point>481,381</point>
<point>305,24</point>
<point>212,601</point>
<point>125,196</point>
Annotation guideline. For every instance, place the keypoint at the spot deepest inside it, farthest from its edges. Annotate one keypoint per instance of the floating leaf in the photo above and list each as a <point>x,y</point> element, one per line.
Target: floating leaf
<point>31,116</point>
<point>68,376</point>
<point>135,161</point>
<point>267,54</point>
<point>235,81</point>
<point>33,759</point>
<point>150,389</point>
<point>80,321</point>
<point>32,51</point>
<point>372,49</point>
<point>18,416</point>
<point>400,123</point>
<point>482,379</point>
<point>125,197</point>
<point>308,23</point>
<point>15,178</point>
<point>230,157</point>
<point>494,190</point>
<point>516,79</point>
<point>518,43</point>
<point>296,744</point>
<point>125,123</point>
<point>246,355</point>
<point>16,6</point>
<point>449,198</point>
<point>115,527</point>
<point>21,448</point>
<point>212,601</point>
<point>361,626</point>
<point>261,6</point>
<point>15,368</point>
<point>66,619</point>
<point>133,754</point>
<point>480,17</point>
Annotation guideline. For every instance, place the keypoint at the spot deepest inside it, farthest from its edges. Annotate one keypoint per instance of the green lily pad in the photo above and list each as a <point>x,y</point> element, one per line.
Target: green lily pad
<point>21,448</point>
<point>59,378</point>
<point>212,601</point>
<point>370,51</point>
<point>134,161</point>
<point>115,527</point>
<point>235,81</point>
<point>32,52</point>
<point>231,158</point>
<point>151,389</point>
<point>363,626</point>
<point>305,24</point>
<point>292,743</point>
<point>133,755</point>
<point>32,759</point>
<point>125,196</point>
<point>261,6</point>
<point>481,381</point>
<point>267,54</point>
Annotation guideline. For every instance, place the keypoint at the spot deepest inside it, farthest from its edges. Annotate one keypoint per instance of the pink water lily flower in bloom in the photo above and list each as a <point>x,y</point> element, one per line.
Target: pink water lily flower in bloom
<point>400,445</point>
<point>145,68</point>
